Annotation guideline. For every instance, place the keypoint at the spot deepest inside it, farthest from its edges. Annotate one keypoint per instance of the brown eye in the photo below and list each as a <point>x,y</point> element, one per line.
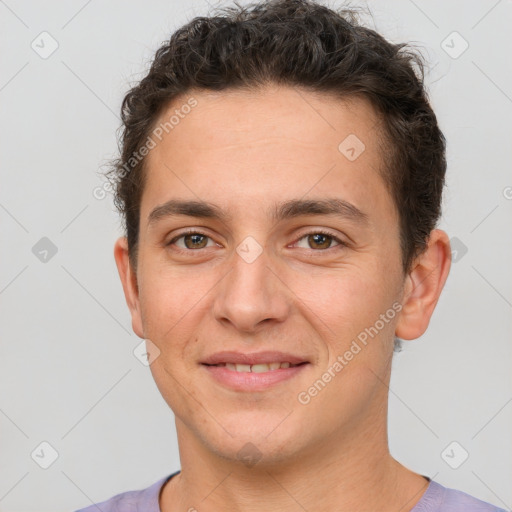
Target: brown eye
<point>195,241</point>
<point>190,241</point>
<point>319,241</point>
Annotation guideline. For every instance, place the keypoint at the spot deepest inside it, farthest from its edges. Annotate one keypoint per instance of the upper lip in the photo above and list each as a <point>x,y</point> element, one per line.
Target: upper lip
<point>253,358</point>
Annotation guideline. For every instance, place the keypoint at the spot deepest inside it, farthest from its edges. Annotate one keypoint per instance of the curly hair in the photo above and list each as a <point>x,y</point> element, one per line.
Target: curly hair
<point>296,43</point>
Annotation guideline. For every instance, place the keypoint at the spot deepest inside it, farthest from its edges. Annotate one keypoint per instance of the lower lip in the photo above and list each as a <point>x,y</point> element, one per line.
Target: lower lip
<point>249,381</point>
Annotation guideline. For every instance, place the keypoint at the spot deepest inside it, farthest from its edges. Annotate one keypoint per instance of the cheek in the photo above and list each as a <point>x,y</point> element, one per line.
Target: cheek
<point>349,303</point>
<point>172,308</point>
<point>164,306</point>
<point>173,305</point>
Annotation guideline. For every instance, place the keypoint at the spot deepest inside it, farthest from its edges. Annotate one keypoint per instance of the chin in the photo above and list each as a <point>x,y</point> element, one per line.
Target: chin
<point>255,440</point>
<point>260,455</point>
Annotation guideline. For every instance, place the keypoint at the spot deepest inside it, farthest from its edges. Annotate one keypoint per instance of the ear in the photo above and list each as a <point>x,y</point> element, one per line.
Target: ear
<point>129,280</point>
<point>423,286</point>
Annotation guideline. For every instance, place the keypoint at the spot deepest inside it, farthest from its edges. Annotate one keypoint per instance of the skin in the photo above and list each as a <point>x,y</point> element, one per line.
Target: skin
<point>245,152</point>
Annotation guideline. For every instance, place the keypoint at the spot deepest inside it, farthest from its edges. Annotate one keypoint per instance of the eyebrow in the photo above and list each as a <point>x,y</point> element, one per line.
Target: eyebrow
<point>282,211</point>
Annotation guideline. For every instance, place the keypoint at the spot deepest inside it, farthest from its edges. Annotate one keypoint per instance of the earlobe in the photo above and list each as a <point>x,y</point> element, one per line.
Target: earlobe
<point>423,286</point>
<point>129,281</point>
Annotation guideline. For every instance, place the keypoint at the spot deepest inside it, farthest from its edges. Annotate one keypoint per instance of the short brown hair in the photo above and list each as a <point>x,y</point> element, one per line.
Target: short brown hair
<point>296,43</point>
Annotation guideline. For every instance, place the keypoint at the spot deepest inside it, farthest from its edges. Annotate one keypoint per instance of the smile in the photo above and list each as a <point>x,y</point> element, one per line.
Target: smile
<point>256,377</point>
<point>256,368</point>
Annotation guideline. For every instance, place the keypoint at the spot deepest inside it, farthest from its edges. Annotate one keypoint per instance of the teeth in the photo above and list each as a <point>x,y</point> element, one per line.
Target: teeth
<point>260,368</point>
<point>255,368</point>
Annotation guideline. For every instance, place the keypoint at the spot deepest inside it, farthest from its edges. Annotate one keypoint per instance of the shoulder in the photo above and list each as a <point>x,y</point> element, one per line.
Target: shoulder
<point>438,498</point>
<point>131,501</point>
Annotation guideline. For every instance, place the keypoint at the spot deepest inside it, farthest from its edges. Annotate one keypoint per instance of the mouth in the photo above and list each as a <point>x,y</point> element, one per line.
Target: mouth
<point>256,368</point>
<point>251,372</point>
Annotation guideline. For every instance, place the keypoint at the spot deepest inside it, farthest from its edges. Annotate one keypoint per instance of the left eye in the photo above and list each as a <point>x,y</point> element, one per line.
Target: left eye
<point>319,241</point>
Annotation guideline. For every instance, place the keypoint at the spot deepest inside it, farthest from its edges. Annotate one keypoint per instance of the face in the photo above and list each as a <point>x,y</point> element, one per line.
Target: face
<point>290,254</point>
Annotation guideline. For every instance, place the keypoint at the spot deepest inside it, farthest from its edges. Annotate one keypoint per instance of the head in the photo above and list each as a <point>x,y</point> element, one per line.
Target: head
<point>299,152</point>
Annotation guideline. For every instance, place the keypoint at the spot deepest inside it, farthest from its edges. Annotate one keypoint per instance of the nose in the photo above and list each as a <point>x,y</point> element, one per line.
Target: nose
<point>252,296</point>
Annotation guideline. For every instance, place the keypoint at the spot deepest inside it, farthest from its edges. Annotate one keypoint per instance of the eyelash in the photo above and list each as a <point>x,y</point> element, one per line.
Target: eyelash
<point>340,242</point>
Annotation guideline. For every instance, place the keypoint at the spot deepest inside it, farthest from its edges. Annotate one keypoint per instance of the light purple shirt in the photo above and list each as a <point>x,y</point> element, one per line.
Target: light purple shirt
<point>435,499</point>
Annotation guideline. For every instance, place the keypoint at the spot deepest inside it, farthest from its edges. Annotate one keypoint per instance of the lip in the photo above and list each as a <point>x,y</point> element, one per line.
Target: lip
<point>249,381</point>
<point>265,357</point>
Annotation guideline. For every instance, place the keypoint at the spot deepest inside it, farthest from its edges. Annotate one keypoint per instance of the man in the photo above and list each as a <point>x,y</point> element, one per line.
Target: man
<point>280,179</point>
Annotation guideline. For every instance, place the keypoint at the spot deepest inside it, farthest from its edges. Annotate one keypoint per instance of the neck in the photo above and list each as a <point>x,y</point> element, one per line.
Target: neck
<point>340,472</point>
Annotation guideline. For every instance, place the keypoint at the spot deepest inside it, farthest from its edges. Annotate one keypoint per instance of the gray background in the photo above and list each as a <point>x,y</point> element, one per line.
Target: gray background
<point>68,375</point>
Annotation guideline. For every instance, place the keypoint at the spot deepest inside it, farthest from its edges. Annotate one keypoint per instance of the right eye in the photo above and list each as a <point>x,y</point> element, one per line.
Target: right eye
<point>191,240</point>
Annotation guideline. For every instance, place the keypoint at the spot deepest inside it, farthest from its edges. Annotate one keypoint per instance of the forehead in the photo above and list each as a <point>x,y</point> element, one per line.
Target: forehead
<point>249,146</point>
<point>243,116</point>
